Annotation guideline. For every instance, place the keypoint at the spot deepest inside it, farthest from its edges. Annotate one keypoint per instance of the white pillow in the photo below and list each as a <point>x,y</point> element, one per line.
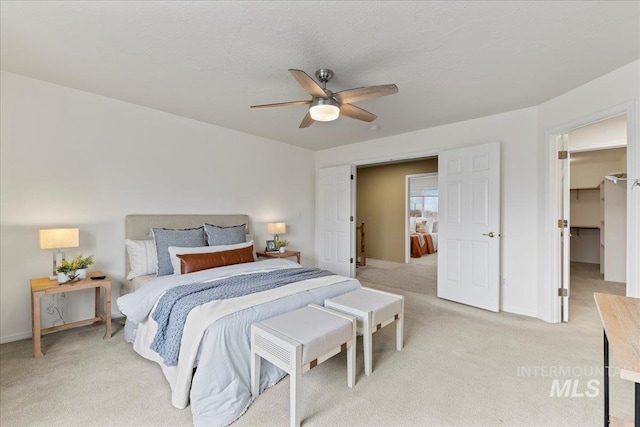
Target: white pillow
<point>174,251</point>
<point>412,224</point>
<point>429,226</point>
<point>143,258</point>
<point>250,239</point>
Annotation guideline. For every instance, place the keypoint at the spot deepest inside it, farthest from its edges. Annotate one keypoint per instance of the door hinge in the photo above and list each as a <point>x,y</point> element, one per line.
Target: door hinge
<point>562,292</point>
<point>563,223</point>
<point>351,218</point>
<point>563,155</point>
<point>352,177</point>
<point>350,260</point>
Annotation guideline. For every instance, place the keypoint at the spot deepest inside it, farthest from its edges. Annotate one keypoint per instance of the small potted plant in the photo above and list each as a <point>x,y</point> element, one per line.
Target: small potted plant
<point>82,265</point>
<point>281,245</point>
<point>67,271</point>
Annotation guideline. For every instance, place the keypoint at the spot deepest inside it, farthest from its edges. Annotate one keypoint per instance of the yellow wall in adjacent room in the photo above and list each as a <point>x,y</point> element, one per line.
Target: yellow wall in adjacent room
<point>381,205</point>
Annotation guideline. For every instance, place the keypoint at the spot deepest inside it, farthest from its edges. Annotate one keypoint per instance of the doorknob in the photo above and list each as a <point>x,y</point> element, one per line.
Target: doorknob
<point>490,234</point>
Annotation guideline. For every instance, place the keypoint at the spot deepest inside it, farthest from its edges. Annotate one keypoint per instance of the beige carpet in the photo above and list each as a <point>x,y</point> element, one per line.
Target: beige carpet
<point>460,367</point>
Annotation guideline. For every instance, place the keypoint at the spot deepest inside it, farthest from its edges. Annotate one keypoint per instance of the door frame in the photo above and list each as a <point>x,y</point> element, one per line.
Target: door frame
<point>379,160</point>
<point>407,179</point>
<point>549,301</point>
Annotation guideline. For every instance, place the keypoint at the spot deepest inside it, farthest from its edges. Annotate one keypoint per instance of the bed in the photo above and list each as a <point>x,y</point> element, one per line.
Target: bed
<point>423,236</point>
<point>207,360</point>
<point>421,244</point>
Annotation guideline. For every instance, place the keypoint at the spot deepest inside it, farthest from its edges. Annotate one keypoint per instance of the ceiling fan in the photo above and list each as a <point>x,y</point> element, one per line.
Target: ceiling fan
<point>326,105</point>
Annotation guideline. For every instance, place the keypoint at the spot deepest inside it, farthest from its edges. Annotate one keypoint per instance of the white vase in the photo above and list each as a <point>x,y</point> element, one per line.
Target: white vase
<point>282,249</point>
<point>63,278</point>
<point>82,273</point>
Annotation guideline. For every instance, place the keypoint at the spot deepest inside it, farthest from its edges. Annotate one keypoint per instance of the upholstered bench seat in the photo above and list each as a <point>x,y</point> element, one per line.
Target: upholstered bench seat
<point>298,341</point>
<point>373,309</point>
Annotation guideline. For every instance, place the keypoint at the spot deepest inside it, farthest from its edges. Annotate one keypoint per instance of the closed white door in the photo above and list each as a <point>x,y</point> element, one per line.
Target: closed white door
<point>334,213</point>
<point>469,226</point>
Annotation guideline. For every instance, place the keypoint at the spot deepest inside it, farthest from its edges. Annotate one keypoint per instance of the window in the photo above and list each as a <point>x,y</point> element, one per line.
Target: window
<point>424,202</point>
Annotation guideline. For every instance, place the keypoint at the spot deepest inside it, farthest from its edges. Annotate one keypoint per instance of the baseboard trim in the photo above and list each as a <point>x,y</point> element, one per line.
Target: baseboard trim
<point>15,337</point>
<point>27,335</point>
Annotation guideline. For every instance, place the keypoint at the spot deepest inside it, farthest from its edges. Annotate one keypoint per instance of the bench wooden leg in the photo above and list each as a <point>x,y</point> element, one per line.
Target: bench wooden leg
<point>367,344</point>
<point>351,359</point>
<point>255,374</point>
<point>400,332</point>
<point>295,388</point>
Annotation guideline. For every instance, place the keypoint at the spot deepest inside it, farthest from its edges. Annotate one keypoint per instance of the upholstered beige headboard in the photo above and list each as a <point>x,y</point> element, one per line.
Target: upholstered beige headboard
<point>138,227</point>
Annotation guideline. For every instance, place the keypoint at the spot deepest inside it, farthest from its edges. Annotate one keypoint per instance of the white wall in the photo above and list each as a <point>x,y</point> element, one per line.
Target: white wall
<point>613,91</point>
<point>592,174</point>
<point>585,245</point>
<point>605,134</point>
<point>585,212</point>
<point>585,208</point>
<point>615,232</point>
<point>74,159</point>
<point>517,132</point>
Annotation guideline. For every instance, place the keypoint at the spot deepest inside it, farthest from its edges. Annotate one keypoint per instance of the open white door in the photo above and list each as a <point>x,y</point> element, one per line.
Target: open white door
<point>335,220</point>
<point>469,225</point>
<point>563,224</point>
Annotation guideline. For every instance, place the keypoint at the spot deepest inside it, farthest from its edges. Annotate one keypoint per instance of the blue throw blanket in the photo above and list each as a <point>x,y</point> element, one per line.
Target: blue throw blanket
<point>174,306</point>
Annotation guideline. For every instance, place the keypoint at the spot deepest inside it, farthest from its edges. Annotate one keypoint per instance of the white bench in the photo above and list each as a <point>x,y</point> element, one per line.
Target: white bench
<point>373,310</point>
<point>298,341</point>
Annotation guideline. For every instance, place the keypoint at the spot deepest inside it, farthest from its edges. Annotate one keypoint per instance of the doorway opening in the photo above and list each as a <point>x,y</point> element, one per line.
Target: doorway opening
<point>421,202</point>
<point>382,209</point>
<point>596,210</point>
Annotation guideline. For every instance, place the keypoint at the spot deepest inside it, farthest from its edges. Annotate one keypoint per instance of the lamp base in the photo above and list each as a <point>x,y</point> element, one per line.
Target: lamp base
<point>58,256</point>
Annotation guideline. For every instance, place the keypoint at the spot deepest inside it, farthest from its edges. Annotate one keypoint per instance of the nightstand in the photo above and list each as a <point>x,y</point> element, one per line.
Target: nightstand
<point>285,254</point>
<point>43,286</point>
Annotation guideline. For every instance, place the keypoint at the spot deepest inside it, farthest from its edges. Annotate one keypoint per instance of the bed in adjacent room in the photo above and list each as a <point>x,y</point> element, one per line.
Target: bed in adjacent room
<point>196,324</point>
<point>423,236</point>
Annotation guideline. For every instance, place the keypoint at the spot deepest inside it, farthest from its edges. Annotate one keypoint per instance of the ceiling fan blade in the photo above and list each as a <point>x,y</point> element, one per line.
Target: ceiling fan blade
<point>362,93</point>
<point>356,113</point>
<point>308,83</point>
<point>307,121</point>
<point>282,104</point>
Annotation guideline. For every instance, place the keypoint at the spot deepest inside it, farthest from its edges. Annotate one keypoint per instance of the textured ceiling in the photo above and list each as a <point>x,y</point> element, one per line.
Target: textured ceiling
<point>209,61</point>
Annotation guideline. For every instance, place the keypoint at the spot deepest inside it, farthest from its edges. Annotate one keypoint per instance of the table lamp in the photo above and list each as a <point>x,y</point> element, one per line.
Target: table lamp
<point>58,238</point>
<point>276,228</point>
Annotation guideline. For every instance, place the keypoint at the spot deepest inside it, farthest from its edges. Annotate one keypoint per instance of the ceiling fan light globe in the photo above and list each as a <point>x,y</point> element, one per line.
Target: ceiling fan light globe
<point>324,113</point>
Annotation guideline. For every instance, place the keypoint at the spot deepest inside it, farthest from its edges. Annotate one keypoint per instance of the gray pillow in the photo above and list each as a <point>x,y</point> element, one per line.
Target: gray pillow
<point>225,235</point>
<point>163,237</point>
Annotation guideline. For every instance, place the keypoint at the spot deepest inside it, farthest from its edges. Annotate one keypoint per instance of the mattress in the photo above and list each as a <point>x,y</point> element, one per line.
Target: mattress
<point>129,286</point>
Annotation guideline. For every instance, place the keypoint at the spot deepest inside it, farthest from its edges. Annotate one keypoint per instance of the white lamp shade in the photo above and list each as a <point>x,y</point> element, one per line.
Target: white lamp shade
<point>324,113</point>
<point>276,228</point>
<point>56,238</point>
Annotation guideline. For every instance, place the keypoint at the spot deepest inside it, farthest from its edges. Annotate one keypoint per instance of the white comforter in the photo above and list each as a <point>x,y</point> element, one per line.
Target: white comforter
<point>216,336</point>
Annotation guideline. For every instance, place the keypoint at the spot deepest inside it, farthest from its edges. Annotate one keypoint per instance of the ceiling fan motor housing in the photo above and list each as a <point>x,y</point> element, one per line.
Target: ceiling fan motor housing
<point>324,75</point>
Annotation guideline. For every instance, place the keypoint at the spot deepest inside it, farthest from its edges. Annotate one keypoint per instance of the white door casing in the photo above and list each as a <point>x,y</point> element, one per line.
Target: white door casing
<point>469,214</point>
<point>564,227</point>
<point>334,213</point>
